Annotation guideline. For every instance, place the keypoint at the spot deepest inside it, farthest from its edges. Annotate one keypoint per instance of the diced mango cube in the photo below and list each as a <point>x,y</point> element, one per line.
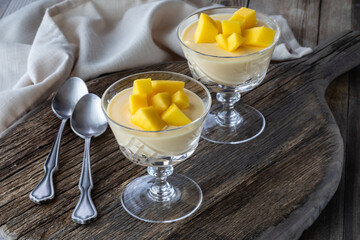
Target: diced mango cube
<point>137,101</point>
<point>248,15</point>
<point>238,18</point>
<point>180,99</point>
<point>259,36</point>
<point>141,86</point>
<point>174,116</point>
<point>167,86</point>
<point>218,24</point>
<point>230,27</point>
<point>161,101</point>
<point>234,41</point>
<point>221,40</point>
<point>206,29</point>
<point>148,119</point>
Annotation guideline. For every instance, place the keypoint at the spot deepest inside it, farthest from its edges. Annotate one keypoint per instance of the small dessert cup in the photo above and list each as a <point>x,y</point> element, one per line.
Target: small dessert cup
<point>160,196</point>
<point>228,76</point>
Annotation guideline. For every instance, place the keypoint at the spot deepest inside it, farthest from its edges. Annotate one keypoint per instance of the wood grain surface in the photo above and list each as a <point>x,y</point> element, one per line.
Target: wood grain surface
<point>273,187</point>
<point>339,220</point>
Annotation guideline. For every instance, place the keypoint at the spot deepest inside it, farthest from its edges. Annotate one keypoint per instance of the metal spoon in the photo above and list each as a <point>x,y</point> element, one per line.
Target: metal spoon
<point>62,105</point>
<point>87,120</point>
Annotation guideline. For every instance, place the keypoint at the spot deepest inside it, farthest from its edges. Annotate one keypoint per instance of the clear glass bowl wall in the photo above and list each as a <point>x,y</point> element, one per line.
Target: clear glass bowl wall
<point>237,73</point>
<point>157,148</point>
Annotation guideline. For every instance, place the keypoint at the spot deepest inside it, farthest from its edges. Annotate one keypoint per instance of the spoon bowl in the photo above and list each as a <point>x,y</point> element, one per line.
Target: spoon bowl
<point>69,94</point>
<point>87,120</point>
<point>62,105</point>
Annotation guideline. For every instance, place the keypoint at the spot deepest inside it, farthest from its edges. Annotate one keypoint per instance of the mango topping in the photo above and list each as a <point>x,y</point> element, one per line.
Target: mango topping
<point>174,116</point>
<point>248,15</point>
<point>230,27</point>
<point>148,119</point>
<point>141,86</point>
<point>218,24</point>
<point>206,29</point>
<point>180,99</point>
<point>161,101</point>
<point>137,101</point>
<point>221,40</point>
<point>167,86</point>
<point>240,29</point>
<point>240,19</point>
<point>234,41</point>
<point>155,104</point>
<point>259,36</point>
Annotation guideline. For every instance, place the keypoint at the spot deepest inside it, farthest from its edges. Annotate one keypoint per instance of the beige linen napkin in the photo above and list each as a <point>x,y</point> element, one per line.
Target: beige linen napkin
<point>49,41</point>
<point>40,49</point>
<point>287,47</point>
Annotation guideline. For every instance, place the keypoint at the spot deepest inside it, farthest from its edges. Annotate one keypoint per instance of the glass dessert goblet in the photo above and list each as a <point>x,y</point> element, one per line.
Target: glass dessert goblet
<point>228,74</point>
<point>160,196</point>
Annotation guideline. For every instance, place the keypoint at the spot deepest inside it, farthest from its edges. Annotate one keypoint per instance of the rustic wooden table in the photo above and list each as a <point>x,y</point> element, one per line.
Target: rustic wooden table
<point>313,22</point>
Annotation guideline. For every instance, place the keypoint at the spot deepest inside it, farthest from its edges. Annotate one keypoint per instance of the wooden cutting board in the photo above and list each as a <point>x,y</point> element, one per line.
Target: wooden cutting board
<point>272,187</point>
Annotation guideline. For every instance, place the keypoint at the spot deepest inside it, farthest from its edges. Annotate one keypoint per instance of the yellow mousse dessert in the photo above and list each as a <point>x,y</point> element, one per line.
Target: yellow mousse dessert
<point>239,34</point>
<point>230,49</point>
<point>155,117</point>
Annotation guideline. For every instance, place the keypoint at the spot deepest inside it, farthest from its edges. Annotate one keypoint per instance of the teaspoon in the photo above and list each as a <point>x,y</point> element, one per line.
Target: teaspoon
<point>87,121</point>
<point>62,105</point>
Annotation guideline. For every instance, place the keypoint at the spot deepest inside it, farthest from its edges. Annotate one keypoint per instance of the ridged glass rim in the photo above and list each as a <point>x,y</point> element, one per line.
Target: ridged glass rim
<point>206,108</point>
<point>276,39</point>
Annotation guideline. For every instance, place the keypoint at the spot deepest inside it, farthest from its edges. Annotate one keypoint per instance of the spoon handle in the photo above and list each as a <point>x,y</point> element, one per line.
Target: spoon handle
<point>44,191</point>
<point>85,210</point>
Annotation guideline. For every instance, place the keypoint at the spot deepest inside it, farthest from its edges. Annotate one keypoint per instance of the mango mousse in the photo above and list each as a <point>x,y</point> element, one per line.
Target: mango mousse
<point>239,33</point>
<point>230,48</point>
<point>154,106</point>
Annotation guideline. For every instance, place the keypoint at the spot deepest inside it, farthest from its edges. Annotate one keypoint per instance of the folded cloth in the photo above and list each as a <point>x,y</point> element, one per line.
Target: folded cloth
<point>49,41</point>
<point>287,47</point>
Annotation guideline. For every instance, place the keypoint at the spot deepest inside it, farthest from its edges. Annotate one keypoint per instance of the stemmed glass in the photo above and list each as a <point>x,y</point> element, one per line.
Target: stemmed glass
<point>228,76</point>
<point>160,196</point>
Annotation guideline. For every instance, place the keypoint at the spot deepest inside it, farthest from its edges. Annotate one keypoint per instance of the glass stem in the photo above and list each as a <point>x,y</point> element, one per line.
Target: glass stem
<point>161,190</point>
<point>228,116</point>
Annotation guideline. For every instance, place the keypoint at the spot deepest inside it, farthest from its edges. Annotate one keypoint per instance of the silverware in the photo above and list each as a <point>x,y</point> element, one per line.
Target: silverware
<point>87,120</point>
<point>62,105</point>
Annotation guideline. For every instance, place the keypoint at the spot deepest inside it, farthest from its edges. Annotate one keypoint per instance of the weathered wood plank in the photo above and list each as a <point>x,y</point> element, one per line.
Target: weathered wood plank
<point>272,187</point>
<point>334,17</point>
<point>302,16</point>
<point>352,166</point>
<point>238,3</point>
<point>329,225</point>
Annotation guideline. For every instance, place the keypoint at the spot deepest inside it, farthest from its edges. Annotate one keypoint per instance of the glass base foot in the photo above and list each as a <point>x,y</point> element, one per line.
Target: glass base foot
<point>138,203</point>
<point>249,125</point>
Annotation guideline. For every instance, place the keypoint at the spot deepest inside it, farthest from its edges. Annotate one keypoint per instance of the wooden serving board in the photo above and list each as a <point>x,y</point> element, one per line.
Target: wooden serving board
<point>272,187</point>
